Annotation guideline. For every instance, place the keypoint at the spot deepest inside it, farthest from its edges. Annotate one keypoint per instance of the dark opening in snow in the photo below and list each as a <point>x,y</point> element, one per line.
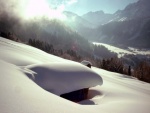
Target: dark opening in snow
<point>86,63</point>
<point>76,96</point>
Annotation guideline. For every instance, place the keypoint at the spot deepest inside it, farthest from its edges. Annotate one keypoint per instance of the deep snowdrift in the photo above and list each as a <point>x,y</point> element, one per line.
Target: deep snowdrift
<point>19,94</point>
<point>61,78</point>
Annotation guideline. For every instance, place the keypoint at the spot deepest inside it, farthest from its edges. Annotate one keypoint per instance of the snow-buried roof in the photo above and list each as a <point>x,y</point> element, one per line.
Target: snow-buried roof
<point>61,78</point>
<point>85,62</point>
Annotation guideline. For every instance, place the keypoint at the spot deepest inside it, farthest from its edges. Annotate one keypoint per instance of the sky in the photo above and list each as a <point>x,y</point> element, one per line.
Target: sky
<point>81,7</point>
<point>29,9</point>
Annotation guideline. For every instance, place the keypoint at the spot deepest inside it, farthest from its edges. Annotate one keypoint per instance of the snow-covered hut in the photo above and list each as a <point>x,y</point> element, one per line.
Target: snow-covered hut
<point>86,63</point>
<point>69,80</point>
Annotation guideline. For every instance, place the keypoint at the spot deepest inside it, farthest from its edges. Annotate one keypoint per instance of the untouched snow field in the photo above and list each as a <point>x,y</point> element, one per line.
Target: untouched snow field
<point>19,94</point>
<point>122,52</point>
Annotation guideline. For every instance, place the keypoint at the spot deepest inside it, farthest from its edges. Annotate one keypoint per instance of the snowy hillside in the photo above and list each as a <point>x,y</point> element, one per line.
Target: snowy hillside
<point>19,94</point>
<point>122,52</point>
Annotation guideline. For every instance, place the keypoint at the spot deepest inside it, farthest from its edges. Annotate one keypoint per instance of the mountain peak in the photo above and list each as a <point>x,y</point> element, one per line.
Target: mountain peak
<point>94,13</point>
<point>97,17</point>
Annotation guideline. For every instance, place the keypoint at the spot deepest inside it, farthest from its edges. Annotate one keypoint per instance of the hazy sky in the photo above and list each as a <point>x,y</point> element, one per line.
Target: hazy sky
<point>83,6</point>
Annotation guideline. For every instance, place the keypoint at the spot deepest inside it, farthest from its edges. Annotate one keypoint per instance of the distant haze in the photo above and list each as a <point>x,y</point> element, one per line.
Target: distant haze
<point>83,6</point>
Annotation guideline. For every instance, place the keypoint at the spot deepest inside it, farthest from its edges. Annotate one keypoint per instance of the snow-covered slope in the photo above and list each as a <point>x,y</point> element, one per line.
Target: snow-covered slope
<point>19,94</point>
<point>22,55</point>
<point>119,94</point>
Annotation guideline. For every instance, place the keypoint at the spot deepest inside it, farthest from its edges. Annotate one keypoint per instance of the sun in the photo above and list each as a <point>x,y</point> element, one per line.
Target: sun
<point>41,8</point>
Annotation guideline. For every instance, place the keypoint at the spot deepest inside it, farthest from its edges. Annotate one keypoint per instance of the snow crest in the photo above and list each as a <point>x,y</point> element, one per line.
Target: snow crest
<point>60,78</point>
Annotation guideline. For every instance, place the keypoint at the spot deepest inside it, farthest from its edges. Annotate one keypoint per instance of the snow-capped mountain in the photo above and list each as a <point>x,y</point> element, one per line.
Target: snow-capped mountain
<point>136,10</point>
<point>126,27</point>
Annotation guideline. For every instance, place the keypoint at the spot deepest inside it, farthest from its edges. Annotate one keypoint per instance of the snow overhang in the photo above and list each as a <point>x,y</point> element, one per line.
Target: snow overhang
<point>61,78</point>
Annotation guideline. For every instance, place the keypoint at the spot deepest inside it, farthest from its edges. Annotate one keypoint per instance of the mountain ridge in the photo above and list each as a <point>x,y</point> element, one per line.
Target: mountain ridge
<point>98,17</point>
<point>126,27</point>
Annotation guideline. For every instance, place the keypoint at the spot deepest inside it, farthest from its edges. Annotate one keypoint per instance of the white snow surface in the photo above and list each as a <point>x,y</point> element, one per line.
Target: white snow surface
<point>23,55</point>
<point>19,94</point>
<point>122,19</point>
<point>60,78</point>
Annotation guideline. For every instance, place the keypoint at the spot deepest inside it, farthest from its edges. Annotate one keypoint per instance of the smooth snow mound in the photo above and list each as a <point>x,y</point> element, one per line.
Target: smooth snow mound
<point>19,94</point>
<point>61,78</point>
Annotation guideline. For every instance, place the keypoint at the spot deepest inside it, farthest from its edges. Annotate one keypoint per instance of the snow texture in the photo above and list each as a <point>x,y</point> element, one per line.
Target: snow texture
<point>61,78</point>
<point>20,63</point>
<point>18,94</point>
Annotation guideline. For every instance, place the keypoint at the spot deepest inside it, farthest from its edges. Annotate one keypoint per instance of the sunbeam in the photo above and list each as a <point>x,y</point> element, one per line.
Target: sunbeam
<point>41,8</point>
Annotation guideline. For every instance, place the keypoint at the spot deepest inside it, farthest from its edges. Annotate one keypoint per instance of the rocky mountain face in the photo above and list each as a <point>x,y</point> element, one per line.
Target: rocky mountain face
<point>128,27</point>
